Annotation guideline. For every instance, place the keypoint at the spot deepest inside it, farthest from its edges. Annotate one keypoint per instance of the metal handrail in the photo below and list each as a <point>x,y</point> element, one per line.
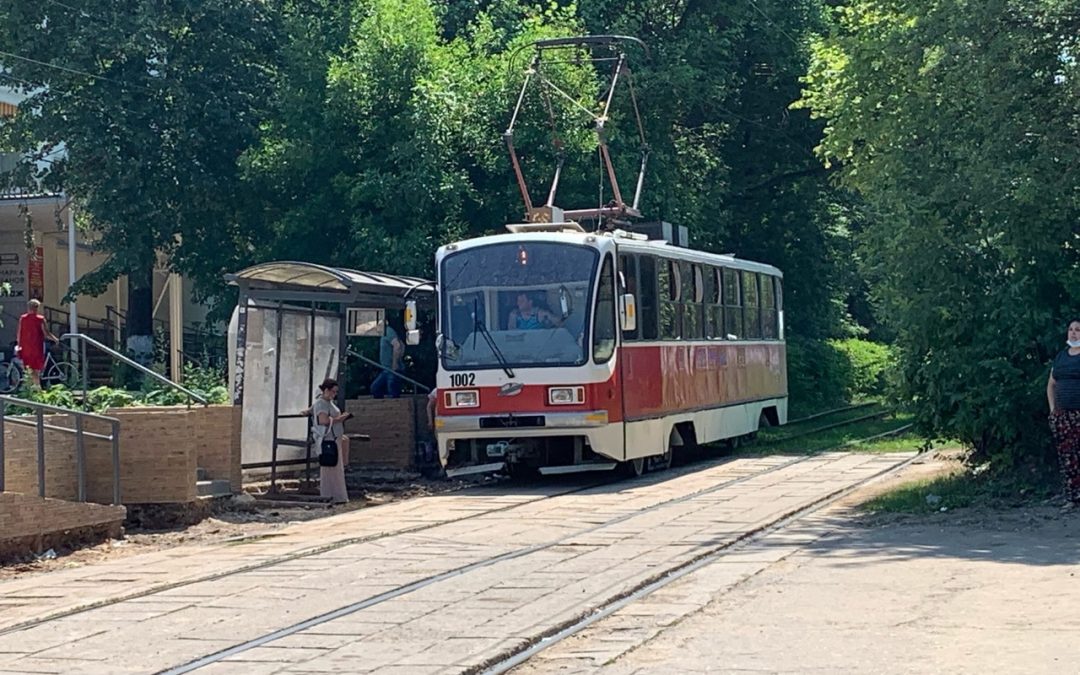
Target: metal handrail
<point>380,366</point>
<point>87,340</point>
<point>80,435</point>
<point>49,312</point>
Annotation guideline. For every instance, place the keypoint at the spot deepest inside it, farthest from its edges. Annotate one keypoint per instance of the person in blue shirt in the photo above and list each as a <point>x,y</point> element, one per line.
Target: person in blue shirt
<point>1063,394</point>
<point>529,317</point>
<point>391,352</point>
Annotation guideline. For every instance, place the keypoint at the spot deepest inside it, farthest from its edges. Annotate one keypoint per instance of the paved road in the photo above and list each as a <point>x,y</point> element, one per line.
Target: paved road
<point>951,594</point>
<point>442,584</point>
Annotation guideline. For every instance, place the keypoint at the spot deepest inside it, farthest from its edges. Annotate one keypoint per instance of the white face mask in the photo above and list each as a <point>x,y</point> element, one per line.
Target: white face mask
<point>1073,343</point>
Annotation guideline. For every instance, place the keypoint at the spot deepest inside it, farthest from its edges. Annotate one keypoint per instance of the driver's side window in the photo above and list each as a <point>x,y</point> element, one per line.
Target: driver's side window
<point>604,325</point>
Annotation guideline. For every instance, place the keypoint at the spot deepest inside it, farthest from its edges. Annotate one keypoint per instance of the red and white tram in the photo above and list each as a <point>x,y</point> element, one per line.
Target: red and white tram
<point>563,350</point>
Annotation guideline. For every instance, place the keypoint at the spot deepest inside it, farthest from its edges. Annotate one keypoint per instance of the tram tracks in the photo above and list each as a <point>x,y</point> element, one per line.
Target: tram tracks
<point>402,590</point>
<point>562,631</point>
<point>507,662</point>
<point>796,429</point>
<point>465,569</point>
<point>278,560</point>
<point>327,548</point>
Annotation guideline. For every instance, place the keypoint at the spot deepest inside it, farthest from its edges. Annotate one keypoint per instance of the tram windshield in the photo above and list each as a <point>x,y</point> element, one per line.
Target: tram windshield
<point>516,304</point>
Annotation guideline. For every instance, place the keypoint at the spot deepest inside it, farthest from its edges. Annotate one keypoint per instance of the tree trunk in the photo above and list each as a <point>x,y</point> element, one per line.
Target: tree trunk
<point>140,315</point>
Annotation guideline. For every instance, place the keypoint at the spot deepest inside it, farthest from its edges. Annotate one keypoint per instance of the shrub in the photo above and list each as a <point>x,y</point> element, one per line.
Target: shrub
<point>868,364</point>
<point>825,374</point>
<point>817,376</point>
<point>208,383</point>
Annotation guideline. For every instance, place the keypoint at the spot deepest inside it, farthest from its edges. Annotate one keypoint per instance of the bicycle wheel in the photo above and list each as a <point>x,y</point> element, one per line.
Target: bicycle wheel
<point>64,373</point>
<point>10,377</point>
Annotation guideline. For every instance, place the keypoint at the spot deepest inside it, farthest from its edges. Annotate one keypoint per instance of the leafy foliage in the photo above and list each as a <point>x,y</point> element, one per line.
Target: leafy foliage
<point>731,159</point>
<point>867,366</point>
<point>151,104</point>
<point>823,374</point>
<point>413,119</point>
<point>208,383</point>
<point>957,124</point>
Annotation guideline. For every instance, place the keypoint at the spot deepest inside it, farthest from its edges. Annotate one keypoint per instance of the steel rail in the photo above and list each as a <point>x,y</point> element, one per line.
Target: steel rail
<point>671,575</point>
<point>458,571</point>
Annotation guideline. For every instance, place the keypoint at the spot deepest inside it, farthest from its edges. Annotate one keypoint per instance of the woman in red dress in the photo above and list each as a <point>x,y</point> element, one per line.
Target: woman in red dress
<point>33,332</point>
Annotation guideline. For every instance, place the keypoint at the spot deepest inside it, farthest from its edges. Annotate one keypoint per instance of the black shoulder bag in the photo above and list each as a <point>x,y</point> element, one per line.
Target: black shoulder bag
<point>328,450</point>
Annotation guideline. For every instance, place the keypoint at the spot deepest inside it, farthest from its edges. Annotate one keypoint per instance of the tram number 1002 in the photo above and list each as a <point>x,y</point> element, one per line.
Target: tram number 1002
<point>463,380</point>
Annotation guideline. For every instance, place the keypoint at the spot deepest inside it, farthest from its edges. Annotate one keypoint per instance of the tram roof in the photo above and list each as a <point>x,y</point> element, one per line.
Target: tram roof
<point>625,244</point>
<point>319,283</point>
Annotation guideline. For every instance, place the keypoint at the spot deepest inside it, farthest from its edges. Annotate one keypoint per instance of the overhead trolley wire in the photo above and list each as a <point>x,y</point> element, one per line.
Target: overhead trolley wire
<point>75,71</point>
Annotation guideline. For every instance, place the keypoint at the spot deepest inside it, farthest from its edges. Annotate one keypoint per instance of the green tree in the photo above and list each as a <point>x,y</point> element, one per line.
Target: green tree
<point>386,139</point>
<point>956,122</point>
<point>152,103</point>
<point>731,159</point>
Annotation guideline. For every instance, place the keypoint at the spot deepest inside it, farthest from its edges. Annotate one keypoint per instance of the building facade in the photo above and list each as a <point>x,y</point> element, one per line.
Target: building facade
<point>34,261</point>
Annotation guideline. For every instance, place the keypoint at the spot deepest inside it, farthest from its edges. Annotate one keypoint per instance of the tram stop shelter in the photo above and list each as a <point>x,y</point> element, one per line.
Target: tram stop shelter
<point>289,332</point>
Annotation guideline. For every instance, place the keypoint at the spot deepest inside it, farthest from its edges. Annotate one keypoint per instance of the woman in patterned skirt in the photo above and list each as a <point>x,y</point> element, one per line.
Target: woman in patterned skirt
<point>1063,392</point>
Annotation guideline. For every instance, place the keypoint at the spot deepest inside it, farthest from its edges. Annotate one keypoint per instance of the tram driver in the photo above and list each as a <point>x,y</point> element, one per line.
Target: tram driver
<point>527,316</point>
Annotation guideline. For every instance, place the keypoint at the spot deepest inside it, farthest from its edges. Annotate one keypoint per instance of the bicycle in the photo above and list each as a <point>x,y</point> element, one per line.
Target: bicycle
<point>55,372</point>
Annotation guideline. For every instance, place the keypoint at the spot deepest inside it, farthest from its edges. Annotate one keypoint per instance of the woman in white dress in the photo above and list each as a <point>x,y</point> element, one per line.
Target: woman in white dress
<point>329,424</point>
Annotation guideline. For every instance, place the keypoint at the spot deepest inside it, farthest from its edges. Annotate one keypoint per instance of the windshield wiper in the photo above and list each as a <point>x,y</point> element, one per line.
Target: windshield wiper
<point>490,340</point>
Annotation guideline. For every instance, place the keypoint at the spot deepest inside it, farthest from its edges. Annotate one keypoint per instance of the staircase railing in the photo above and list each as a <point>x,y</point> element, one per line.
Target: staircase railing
<point>59,317</point>
<point>80,433</point>
<point>85,340</point>
<point>197,353</point>
<point>376,364</point>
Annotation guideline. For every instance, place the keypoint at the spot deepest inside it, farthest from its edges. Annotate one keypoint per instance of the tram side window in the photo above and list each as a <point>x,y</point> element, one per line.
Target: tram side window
<point>751,305</point>
<point>718,303</point>
<point>690,301</point>
<point>733,313</point>
<point>708,298</point>
<point>770,325</point>
<point>605,323</point>
<point>667,277</point>
<point>779,307</point>
<point>647,303</point>
<point>629,265</point>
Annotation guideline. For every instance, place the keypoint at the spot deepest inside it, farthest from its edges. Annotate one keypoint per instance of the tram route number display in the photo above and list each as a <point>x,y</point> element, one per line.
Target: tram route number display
<point>463,380</point>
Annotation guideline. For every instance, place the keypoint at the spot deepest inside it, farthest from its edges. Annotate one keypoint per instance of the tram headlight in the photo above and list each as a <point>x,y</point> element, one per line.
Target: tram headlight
<point>469,398</point>
<point>566,395</point>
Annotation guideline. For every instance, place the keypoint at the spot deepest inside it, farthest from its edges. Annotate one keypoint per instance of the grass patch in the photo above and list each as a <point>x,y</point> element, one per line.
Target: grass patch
<point>865,408</point>
<point>782,440</point>
<point>963,489</point>
<point>905,442</point>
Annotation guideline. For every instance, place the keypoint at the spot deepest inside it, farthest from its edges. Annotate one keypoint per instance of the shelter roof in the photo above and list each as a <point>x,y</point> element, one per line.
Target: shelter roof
<point>319,283</point>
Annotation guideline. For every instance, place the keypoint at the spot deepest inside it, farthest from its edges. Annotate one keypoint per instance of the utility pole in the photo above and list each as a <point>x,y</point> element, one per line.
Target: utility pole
<point>73,316</point>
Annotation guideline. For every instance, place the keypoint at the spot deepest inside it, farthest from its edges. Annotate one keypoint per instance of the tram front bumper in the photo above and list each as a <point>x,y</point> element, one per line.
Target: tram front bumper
<point>521,425</point>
